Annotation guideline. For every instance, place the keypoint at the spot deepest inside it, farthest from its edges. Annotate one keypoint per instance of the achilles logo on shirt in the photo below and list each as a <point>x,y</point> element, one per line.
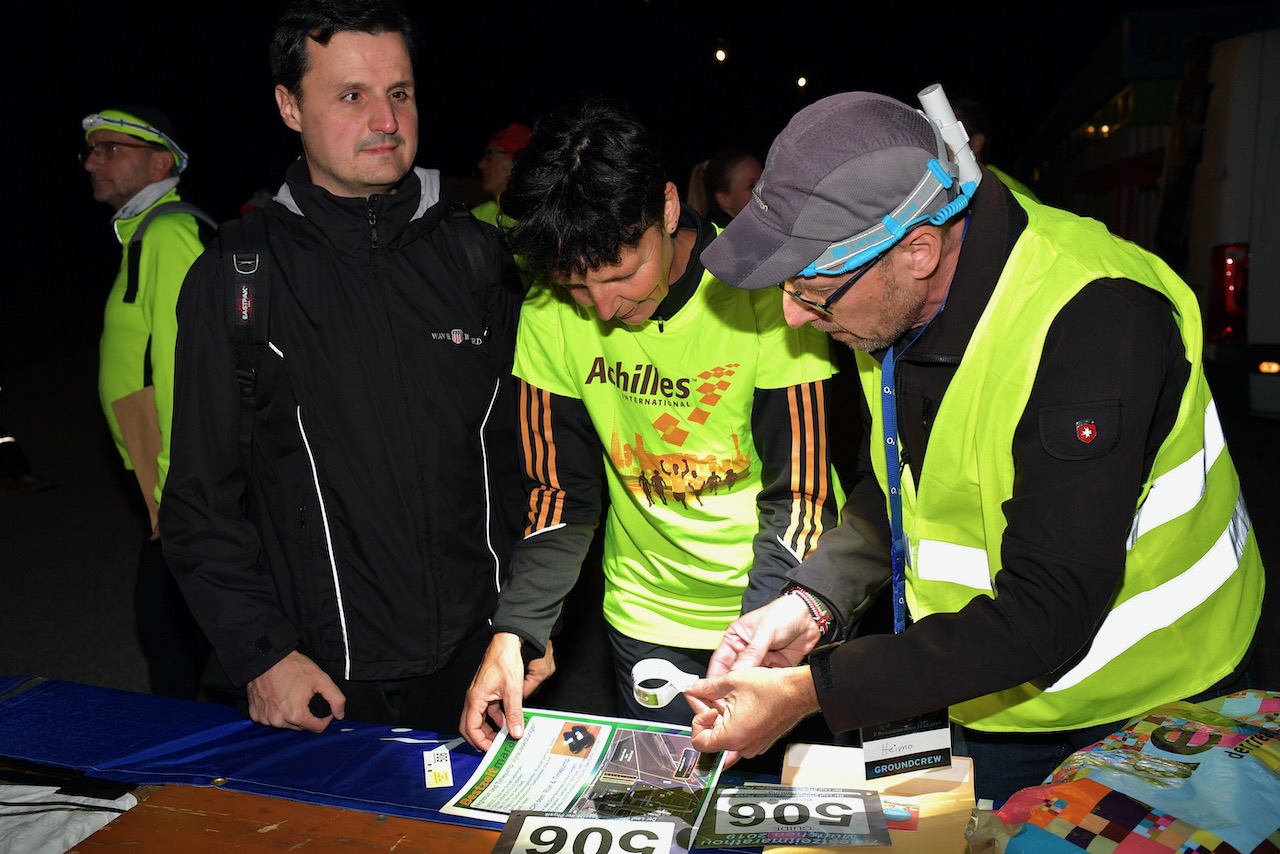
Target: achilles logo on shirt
<point>1086,431</point>
<point>457,336</point>
<point>642,379</point>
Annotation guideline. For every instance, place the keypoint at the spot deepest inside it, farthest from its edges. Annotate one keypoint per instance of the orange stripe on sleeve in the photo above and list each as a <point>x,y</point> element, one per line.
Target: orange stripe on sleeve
<point>810,476</point>
<point>546,499</point>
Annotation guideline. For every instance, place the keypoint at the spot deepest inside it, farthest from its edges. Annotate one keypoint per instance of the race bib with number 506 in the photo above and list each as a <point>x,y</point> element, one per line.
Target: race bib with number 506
<point>549,833</point>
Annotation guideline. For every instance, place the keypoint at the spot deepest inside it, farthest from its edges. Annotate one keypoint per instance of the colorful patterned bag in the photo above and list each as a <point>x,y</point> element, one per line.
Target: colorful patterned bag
<point>1187,778</point>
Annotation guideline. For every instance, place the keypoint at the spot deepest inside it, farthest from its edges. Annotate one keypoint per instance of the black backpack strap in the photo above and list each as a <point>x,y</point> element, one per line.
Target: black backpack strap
<point>247,276</point>
<point>134,249</point>
<point>472,240</point>
<point>248,271</point>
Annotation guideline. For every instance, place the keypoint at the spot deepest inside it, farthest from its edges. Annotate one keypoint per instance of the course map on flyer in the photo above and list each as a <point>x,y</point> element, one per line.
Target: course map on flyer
<point>585,765</point>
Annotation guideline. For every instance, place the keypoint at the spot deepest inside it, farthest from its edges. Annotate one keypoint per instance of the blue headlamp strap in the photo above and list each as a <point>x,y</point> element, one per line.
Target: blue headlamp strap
<point>871,244</point>
<point>955,158</point>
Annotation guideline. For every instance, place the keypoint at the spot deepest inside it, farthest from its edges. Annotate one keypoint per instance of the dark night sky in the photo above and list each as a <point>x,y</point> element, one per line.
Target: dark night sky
<point>497,61</point>
<point>482,65</point>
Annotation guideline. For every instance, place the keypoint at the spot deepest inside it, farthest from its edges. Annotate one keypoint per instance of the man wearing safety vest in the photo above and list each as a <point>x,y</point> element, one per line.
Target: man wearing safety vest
<point>1075,550</point>
<point>134,164</point>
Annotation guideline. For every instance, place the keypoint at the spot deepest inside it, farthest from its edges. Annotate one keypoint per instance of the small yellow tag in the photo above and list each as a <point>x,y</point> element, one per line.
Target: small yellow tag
<point>438,767</point>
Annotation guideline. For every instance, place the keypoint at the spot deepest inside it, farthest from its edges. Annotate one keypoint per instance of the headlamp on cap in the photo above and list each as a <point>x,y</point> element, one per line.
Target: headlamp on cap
<point>938,178</point>
<point>131,125</point>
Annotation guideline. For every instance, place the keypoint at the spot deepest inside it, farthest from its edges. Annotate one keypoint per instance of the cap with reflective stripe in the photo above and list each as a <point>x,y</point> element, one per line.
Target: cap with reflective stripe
<point>144,123</point>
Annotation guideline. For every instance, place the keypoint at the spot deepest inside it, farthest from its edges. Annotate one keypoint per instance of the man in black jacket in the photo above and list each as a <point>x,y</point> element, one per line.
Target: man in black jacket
<point>357,554</point>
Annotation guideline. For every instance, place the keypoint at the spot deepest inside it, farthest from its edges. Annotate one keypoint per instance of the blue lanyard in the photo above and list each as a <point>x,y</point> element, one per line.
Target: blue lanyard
<point>898,551</point>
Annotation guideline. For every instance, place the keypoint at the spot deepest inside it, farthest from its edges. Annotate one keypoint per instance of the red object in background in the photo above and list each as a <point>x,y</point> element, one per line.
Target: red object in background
<point>1227,311</point>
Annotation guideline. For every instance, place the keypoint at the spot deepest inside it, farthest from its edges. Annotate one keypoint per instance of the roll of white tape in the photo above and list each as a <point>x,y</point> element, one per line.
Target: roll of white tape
<point>650,670</point>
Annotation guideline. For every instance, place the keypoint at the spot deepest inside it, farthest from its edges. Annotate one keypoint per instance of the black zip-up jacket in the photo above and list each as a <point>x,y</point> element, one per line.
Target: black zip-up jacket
<point>376,521</point>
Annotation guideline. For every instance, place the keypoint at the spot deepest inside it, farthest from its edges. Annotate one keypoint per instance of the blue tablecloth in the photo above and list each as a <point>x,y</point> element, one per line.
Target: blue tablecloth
<point>144,739</point>
<point>141,739</point>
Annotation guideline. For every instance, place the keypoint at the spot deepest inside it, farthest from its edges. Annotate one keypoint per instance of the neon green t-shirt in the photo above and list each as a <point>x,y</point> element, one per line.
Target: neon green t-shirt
<point>671,404</point>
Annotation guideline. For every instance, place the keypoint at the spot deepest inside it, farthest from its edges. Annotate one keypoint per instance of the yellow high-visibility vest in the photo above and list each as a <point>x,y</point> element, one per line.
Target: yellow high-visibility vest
<point>1191,595</point>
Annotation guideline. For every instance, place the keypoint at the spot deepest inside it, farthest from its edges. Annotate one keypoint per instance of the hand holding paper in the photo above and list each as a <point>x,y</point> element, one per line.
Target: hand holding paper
<point>496,696</point>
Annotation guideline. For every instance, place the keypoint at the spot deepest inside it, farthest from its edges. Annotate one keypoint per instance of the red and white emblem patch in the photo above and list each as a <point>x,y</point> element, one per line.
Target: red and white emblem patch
<point>1086,431</point>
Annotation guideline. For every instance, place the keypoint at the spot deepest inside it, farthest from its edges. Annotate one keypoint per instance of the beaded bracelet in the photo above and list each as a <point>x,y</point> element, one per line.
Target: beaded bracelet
<point>820,614</point>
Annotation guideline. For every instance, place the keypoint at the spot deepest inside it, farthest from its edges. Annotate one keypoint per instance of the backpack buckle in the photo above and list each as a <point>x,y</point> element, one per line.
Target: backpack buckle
<point>247,379</point>
<point>245,264</point>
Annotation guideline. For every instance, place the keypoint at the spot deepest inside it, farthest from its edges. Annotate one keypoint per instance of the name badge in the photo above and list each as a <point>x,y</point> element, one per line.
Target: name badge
<point>917,743</point>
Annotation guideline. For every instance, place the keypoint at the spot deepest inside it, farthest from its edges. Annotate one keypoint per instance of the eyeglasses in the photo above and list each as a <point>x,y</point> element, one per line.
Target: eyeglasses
<point>107,150</point>
<point>825,305</point>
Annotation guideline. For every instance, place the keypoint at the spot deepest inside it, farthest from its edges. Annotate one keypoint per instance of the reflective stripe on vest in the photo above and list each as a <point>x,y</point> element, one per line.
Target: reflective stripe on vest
<point>1144,614</point>
<point>1178,490</point>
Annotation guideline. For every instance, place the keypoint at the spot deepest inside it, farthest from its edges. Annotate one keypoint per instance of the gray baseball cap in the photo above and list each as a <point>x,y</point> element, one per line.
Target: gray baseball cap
<point>841,183</point>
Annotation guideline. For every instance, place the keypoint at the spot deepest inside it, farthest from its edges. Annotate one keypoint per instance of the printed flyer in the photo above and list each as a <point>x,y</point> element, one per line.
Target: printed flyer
<point>586,766</point>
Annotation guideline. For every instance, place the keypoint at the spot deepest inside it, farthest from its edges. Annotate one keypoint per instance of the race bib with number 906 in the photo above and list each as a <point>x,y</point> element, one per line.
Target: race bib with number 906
<point>590,835</point>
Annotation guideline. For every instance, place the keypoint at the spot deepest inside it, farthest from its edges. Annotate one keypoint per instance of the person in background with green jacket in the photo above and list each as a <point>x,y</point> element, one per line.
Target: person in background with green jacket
<point>1049,497</point>
<point>134,164</point>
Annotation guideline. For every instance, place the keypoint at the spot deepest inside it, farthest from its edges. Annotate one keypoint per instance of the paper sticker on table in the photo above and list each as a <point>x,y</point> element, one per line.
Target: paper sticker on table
<point>438,767</point>
<point>792,815</point>
<point>918,743</point>
<point>563,833</point>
